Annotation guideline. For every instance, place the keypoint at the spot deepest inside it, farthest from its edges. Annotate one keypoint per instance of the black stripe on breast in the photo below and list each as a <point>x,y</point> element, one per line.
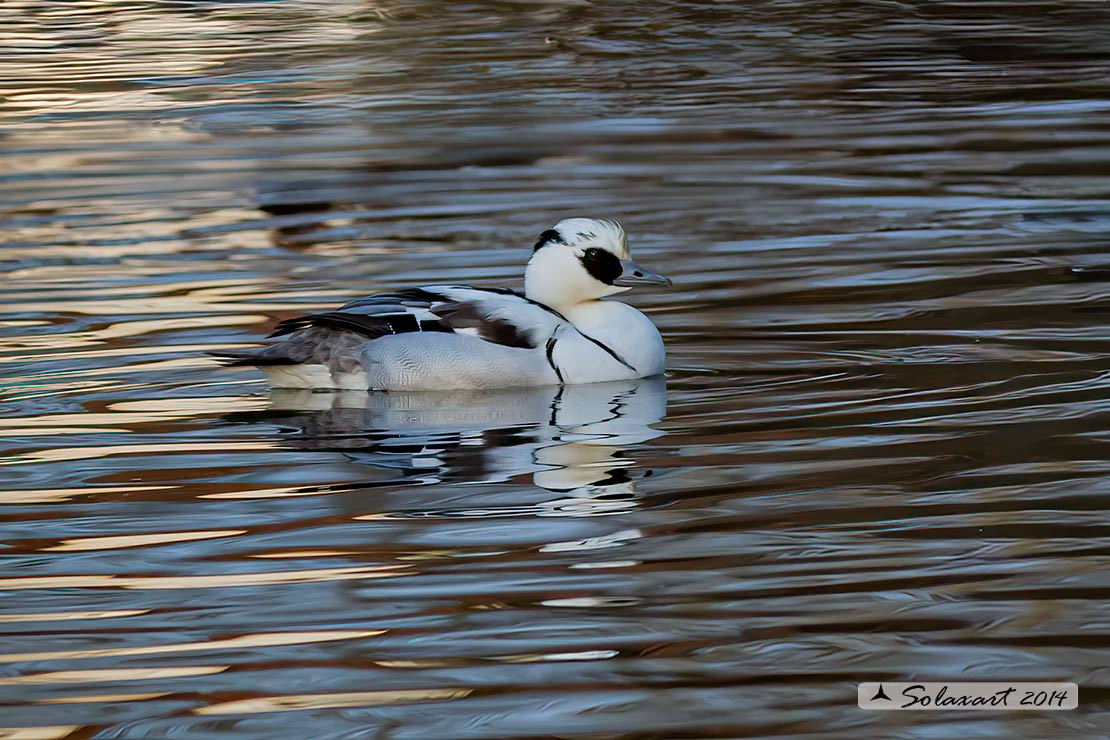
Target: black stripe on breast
<point>612,352</point>
<point>551,358</point>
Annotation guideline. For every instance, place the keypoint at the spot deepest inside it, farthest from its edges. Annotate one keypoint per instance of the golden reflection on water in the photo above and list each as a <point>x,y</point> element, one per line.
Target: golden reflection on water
<point>107,698</point>
<point>265,639</point>
<point>244,314</point>
<point>53,732</point>
<point>144,328</point>
<point>304,554</point>
<point>112,542</point>
<point>48,431</point>
<point>64,616</point>
<point>123,414</point>
<point>87,453</point>
<point>264,493</point>
<point>63,284</point>
<point>22,323</point>
<point>47,495</point>
<point>427,663</point>
<point>559,657</point>
<point>293,703</point>
<point>146,349</point>
<point>153,366</point>
<point>228,580</point>
<point>112,674</point>
<point>187,407</point>
<point>871,210</point>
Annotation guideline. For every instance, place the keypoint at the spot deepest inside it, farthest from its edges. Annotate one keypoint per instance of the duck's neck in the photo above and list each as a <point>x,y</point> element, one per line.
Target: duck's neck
<point>591,311</point>
<point>554,297</point>
<point>587,312</point>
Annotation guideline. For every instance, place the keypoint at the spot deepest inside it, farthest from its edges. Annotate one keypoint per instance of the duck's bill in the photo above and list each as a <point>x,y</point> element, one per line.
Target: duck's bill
<point>633,275</point>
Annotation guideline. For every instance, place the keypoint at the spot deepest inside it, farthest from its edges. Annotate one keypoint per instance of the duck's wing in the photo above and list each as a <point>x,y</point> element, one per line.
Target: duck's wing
<point>493,315</point>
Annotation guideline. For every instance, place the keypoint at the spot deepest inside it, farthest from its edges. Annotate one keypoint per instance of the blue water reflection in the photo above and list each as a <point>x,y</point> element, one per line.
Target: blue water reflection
<point>570,440</point>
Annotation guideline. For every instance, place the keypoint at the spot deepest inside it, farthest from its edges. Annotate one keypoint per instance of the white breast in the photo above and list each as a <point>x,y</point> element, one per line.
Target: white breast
<point>635,349</point>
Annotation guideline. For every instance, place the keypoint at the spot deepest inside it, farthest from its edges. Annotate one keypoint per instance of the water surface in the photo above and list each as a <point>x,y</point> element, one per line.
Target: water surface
<point>882,450</point>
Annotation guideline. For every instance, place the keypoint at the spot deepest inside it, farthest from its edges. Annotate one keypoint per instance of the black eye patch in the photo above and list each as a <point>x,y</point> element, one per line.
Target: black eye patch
<point>547,237</point>
<point>603,266</point>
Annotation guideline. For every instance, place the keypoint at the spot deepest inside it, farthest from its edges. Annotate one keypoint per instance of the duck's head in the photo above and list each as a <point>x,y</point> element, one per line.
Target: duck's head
<point>583,259</point>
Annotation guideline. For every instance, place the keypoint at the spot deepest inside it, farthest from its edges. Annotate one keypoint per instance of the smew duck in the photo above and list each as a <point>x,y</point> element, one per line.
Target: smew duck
<point>559,331</point>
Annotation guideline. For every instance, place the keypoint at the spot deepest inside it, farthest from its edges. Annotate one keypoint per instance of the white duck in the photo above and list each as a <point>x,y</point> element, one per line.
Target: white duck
<point>456,336</point>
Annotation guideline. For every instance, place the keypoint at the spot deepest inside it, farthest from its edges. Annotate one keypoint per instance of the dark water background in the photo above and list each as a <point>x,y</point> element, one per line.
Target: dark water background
<point>882,451</point>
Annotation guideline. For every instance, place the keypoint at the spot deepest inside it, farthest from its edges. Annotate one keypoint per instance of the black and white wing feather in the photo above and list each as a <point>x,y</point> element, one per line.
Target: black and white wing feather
<point>498,316</point>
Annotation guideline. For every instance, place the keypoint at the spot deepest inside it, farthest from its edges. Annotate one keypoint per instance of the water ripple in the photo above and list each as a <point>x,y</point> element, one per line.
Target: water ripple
<point>880,453</point>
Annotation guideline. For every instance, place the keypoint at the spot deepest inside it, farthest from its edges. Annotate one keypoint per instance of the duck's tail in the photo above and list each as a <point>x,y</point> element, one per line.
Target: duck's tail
<point>274,354</point>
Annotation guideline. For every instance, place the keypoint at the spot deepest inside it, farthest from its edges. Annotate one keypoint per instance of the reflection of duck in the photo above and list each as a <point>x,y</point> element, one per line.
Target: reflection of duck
<point>570,439</point>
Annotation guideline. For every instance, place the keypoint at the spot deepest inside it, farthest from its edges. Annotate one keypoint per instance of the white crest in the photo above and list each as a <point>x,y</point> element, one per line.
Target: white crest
<point>582,233</point>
